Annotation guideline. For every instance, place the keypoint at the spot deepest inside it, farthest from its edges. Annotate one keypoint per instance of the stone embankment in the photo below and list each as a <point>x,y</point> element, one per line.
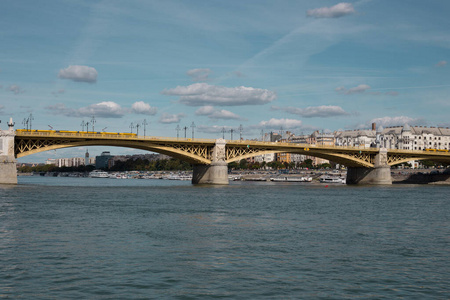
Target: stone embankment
<point>421,176</point>
<point>399,176</point>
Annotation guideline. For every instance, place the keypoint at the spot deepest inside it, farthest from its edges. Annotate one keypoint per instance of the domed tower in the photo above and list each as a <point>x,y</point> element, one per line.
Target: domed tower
<point>86,158</point>
<point>406,138</point>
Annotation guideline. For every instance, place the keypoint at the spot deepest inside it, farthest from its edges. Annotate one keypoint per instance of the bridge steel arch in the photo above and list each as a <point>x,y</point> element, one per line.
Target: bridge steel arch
<point>197,151</point>
<point>203,152</point>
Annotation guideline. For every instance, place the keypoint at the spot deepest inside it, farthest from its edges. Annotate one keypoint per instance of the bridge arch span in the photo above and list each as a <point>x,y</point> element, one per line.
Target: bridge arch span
<point>186,150</point>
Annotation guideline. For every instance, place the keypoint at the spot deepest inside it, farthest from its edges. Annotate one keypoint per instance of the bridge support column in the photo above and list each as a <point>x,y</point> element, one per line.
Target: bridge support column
<point>380,174</point>
<point>217,171</point>
<point>8,170</point>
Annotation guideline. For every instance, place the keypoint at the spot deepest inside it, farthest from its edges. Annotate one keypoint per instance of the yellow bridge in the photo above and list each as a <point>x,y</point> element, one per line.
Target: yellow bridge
<point>210,157</point>
<point>200,151</point>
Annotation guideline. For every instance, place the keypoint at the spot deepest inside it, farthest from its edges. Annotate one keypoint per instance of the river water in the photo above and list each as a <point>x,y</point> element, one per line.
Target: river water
<point>85,238</point>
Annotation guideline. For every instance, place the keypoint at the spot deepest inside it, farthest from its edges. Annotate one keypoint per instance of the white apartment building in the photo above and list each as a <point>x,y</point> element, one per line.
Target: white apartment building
<point>415,138</point>
<point>398,137</point>
<point>356,138</point>
<point>66,162</point>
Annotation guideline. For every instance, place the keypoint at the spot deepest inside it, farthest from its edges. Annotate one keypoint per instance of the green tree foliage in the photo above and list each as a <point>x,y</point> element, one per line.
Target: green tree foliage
<point>139,164</point>
<point>243,164</point>
<point>53,168</point>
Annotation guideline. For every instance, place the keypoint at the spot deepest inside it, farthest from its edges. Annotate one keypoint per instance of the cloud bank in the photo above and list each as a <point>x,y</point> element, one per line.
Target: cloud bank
<point>201,94</point>
<point>105,109</point>
<point>79,74</point>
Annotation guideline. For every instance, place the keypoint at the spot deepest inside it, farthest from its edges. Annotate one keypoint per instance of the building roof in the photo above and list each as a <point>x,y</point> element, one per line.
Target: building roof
<point>355,133</point>
<point>417,130</point>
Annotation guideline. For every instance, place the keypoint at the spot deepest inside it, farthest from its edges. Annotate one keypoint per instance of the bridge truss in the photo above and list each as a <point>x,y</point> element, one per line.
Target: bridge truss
<point>199,151</point>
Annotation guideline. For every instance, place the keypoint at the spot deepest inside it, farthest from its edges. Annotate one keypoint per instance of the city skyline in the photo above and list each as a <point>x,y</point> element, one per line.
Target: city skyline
<point>297,65</point>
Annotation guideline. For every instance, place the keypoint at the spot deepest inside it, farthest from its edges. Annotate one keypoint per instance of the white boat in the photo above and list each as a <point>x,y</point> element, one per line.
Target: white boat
<point>179,177</point>
<point>98,174</point>
<point>332,179</point>
<point>115,176</point>
<point>291,179</point>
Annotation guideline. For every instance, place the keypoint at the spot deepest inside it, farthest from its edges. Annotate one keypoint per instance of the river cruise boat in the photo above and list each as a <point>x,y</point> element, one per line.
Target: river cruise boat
<point>332,179</point>
<point>291,179</point>
<point>98,174</point>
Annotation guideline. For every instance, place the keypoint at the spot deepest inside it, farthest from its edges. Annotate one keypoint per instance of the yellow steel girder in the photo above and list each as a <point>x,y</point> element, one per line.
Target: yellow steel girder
<point>200,151</point>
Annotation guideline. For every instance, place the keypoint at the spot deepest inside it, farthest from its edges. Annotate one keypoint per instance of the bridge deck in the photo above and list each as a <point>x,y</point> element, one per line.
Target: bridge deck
<point>200,150</point>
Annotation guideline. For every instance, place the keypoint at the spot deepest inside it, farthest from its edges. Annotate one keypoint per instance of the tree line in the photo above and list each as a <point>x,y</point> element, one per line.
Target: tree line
<point>131,164</point>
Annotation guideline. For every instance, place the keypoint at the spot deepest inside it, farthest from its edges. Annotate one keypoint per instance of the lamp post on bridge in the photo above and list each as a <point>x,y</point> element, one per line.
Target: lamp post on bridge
<point>93,122</point>
<point>30,118</point>
<point>131,127</point>
<point>231,131</point>
<point>240,132</point>
<point>144,124</point>
<point>193,126</point>
<point>82,125</point>
<point>25,124</point>
<point>137,128</point>
<point>185,129</point>
<point>178,131</point>
<point>223,132</point>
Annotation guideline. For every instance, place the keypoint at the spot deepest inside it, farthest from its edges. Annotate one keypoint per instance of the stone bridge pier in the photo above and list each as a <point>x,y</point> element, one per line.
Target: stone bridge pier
<point>8,170</point>
<point>217,171</point>
<point>379,174</point>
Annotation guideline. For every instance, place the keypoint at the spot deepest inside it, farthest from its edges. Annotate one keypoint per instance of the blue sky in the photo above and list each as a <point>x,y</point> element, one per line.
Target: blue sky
<point>296,65</point>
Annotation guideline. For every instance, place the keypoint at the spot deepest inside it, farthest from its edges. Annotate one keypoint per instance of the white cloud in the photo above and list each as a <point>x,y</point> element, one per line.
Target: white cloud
<point>324,111</point>
<point>213,113</point>
<point>199,74</point>
<point>199,94</point>
<point>396,121</point>
<point>171,118</point>
<point>143,108</point>
<point>106,109</point>
<point>442,63</point>
<point>79,74</point>
<point>16,89</point>
<point>336,11</point>
<point>280,123</point>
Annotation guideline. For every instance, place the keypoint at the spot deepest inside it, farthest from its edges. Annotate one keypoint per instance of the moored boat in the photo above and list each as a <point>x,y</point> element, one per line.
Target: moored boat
<point>98,174</point>
<point>291,179</point>
<point>332,179</point>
